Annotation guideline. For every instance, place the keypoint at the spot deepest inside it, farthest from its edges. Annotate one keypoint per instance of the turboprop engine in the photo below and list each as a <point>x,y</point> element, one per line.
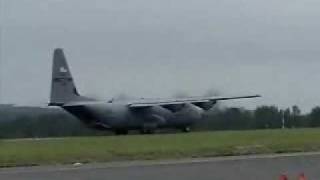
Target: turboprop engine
<point>206,105</point>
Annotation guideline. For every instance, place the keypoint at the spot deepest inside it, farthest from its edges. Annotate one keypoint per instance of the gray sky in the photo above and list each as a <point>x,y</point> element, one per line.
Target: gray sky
<point>152,48</point>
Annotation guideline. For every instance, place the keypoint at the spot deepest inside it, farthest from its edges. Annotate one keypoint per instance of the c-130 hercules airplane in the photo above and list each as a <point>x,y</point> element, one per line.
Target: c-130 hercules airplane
<point>120,116</point>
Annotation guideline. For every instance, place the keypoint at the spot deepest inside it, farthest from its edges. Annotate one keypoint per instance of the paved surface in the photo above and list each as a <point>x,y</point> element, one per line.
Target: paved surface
<point>268,167</point>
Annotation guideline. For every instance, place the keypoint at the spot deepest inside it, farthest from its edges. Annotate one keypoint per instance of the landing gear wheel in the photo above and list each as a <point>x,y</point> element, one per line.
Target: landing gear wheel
<point>121,132</point>
<point>147,131</point>
<point>186,129</point>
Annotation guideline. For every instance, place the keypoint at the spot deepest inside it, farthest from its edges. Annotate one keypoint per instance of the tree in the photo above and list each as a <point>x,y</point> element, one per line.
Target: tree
<point>296,118</point>
<point>296,110</point>
<point>314,117</point>
<point>268,117</point>
<point>286,114</point>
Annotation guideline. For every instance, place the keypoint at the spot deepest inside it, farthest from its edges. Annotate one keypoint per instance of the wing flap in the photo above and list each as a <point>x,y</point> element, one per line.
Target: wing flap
<point>164,103</point>
<point>169,102</point>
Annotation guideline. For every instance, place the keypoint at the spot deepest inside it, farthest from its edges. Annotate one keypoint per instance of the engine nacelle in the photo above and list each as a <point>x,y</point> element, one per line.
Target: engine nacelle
<point>206,105</point>
<point>175,108</point>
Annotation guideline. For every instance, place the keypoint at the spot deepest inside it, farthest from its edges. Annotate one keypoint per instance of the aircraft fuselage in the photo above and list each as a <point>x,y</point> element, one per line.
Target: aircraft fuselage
<point>117,116</point>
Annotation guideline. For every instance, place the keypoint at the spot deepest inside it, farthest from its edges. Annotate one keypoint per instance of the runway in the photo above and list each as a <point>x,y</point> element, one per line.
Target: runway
<point>264,167</point>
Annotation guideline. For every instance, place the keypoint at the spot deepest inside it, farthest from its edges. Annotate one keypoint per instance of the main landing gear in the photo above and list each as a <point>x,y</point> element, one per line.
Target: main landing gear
<point>147,131</point>
<point>186,129</point>
<point>121,132</point>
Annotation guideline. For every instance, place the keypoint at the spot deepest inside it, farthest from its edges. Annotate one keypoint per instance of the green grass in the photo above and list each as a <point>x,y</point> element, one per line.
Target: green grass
<point>173,146</point>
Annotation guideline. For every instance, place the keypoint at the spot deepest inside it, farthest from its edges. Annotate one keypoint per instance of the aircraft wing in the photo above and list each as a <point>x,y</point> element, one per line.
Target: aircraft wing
<point>82,103</point>
<point>166,102</point>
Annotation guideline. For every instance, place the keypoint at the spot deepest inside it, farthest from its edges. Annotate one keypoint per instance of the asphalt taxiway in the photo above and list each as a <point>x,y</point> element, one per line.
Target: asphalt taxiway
<point>264,167</point>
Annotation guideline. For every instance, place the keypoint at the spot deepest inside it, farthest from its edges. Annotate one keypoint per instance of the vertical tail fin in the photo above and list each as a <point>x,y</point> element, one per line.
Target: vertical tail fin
<point>63,89</point>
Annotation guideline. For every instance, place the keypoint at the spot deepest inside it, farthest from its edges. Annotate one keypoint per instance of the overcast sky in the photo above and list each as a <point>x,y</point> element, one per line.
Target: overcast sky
<point>159,48</point>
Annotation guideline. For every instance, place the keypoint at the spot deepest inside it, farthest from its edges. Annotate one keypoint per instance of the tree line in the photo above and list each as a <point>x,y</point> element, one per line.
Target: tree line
<point>263,117</point>
<point>33,122</point>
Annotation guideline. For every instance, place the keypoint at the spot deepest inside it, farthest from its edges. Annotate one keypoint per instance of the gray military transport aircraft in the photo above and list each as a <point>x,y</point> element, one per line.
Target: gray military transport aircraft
<point>120,116</point>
